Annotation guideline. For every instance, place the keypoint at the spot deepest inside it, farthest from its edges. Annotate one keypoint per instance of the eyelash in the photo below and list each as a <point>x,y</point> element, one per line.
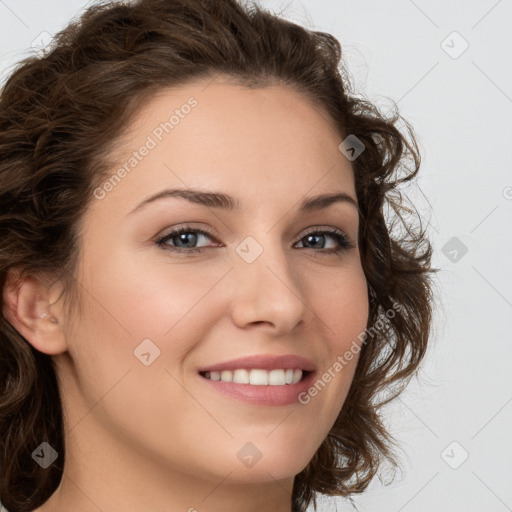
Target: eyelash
<point>343,241</point>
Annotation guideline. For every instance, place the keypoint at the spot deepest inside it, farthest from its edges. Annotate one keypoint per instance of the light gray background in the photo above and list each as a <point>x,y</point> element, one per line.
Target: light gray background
<point>461,109</point>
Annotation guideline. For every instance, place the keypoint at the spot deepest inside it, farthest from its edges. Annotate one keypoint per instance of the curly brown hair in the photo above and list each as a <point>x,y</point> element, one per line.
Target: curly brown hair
<point>60,114</point>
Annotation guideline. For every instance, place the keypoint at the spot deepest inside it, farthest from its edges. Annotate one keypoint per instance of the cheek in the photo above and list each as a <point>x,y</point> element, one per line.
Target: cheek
<point>341,303</point>
<point>149,296</point>
<point>129,300</point>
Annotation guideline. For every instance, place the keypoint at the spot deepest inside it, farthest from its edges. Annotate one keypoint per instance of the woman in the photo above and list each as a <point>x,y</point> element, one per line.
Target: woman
<point>204,302</point>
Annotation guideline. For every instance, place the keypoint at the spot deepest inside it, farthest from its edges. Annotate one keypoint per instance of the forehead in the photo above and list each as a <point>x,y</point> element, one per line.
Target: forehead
<point>252,141</point>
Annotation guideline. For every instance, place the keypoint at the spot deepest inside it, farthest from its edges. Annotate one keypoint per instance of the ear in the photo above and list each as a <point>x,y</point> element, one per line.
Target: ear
<point>28,304</point>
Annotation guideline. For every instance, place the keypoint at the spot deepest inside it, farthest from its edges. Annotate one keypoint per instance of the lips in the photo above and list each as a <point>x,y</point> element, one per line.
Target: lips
<point>271,393</point>
<point>263,362</point>
<point>260,395</point>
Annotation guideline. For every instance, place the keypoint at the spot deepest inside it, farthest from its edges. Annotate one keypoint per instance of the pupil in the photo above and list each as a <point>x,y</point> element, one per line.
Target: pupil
<point>184,236</point>
<point>312,237</point>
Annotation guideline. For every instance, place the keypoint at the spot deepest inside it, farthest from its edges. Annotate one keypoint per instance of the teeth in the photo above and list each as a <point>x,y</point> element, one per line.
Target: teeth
<point>241,377</point>
<point>277,377</point>
<point>226,376</point>
<point>257,377</point>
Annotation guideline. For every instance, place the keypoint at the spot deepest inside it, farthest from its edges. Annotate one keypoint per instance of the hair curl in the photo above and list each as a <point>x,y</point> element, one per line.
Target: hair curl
<point>61,113</point>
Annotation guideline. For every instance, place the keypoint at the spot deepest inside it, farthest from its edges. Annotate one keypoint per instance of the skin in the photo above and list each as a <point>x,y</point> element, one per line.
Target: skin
<point>157,437</point>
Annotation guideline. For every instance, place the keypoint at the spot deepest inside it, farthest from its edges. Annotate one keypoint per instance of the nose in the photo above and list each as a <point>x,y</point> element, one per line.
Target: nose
<point>268,293</point>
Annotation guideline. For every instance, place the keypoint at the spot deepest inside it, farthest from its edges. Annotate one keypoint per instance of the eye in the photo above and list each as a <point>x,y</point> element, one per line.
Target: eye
<point>315,238</point>
<point>185,240</point>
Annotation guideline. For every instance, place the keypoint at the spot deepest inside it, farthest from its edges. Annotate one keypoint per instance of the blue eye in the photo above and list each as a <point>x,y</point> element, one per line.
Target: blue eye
<point>183,235</point>
<point>342,241</point>
<point>185,239</point>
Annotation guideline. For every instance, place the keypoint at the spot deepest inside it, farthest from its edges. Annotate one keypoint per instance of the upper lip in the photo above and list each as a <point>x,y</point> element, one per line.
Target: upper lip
<point>263,362</point>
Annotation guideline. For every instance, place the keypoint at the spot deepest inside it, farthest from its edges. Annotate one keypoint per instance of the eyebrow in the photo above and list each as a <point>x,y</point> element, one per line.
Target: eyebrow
<point>226,202</point>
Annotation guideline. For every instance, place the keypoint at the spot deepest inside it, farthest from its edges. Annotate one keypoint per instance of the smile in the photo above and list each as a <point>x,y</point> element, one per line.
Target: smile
<point>265,388</point>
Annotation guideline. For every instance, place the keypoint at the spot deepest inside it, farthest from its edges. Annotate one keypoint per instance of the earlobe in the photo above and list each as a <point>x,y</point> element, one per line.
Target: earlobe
<point>26,305</point>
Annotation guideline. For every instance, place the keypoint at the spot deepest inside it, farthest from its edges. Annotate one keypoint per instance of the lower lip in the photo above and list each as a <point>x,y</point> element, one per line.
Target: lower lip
<point>262,395</point>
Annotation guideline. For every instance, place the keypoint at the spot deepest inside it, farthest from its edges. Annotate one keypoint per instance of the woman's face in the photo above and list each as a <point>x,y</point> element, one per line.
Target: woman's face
<point>256,284</point>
